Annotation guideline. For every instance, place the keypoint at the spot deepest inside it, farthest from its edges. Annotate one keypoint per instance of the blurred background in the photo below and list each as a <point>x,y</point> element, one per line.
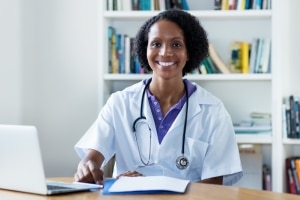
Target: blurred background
<point>48,73</point>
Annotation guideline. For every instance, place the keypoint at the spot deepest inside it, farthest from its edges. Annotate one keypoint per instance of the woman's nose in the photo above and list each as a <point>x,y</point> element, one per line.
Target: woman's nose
<point>165,51</point>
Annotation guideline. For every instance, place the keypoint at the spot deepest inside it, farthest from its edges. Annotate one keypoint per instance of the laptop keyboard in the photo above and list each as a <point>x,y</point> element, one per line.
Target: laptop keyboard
<point>56,187</point>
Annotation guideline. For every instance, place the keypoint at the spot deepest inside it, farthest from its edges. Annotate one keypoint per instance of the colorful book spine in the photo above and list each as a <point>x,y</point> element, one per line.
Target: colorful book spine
<point>253,54</point>
<point>291,185</point>
<point>218,5</point>
<point>257,68</point>
<point>265,58</point>
<point>245,57</point>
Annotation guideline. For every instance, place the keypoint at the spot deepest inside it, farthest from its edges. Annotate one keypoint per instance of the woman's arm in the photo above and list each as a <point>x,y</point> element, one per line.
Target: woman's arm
<point>216,180</point>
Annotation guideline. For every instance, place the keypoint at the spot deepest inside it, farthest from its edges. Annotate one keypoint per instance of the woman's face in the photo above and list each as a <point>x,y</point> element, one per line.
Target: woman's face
<point>166,50</point>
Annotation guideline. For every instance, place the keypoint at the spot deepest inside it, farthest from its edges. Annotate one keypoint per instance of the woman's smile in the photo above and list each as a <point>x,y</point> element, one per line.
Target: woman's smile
<point>166,65</point>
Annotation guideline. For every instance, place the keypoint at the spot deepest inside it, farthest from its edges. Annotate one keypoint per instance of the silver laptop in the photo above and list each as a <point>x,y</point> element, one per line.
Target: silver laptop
<point>21,166</point>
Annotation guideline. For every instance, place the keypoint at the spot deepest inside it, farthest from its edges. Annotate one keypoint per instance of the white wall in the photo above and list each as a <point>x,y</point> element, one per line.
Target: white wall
<point>10,62</point>
<point>52,78</point>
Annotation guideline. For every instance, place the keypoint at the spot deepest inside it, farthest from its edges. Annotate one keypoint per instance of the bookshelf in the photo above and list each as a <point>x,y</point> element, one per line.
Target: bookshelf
<point>288,75</point>
<point>241,93</point>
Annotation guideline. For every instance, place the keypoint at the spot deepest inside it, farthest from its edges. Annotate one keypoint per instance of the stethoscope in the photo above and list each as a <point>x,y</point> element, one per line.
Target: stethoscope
<point>181,161</point>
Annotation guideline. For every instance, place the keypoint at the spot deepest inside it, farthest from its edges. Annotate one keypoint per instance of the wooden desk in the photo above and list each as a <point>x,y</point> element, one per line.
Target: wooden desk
<point>197,191</point>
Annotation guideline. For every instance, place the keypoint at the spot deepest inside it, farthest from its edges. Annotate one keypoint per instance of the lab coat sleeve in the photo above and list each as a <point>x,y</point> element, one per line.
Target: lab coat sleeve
<point>100,136</point>
<point>222,158</point>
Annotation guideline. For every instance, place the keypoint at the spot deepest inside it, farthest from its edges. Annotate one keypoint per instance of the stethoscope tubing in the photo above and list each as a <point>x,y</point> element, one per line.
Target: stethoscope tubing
<point>178,164</point>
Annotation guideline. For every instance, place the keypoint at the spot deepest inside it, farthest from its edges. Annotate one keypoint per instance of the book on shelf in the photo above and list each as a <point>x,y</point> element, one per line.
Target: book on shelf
<point>251,57</point>
<point>134,4</point>
<point>260,115</point>
<point>257,66</point>
<point>112,51</point>
<point>218,4</point>
<point>292,175</point>
<point>291,116</point>
<point>209,66</point>
<point>127,54</point>
<point>253,54</point>
<point>217,60</point>
<point>224,5</point>
<point>162,5</point>
<point>265,57</point>
<point>232,4</point>
<point>285,125</point>
<point>241,5</point>
<point>202,69</point>
<point>121,57</point>
<point>120,53</point>
<point>176,4</point>
<point>286,118</point>
<point>267,178</point>
<point>260,55</point>
<point>239,129</point>
<point>248,4</point>
<point>132,56</point>
<point>290,181</point>
<point>257,4</point>
<point>155,5</point>
<point>244,57</point>
<point>126,5</point>
<point>185,5</point>
<point>110,33</point>
<point>146,5</point>
<point>245,4</point>
<point>297,166</point>
<point>258,123</point>
<point>235,63</point>
<point>116,4</point>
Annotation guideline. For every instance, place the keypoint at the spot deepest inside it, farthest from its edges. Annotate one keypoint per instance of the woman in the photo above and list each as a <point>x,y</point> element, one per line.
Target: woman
<point>165,125</point>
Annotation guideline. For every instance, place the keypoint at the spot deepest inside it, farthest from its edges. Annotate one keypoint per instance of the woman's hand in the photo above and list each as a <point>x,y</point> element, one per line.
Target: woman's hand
<point>130,173</point>
<point>88,170</point>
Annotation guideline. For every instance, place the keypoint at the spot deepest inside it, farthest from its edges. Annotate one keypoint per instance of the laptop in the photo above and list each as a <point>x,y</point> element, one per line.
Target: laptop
<point>21,166</point>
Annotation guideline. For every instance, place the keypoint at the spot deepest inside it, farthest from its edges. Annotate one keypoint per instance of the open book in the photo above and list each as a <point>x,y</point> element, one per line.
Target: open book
<point>145,185</point>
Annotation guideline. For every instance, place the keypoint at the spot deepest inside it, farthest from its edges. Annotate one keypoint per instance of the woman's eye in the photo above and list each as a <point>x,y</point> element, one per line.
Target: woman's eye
<point>155,44</point>
<point>177,45</point>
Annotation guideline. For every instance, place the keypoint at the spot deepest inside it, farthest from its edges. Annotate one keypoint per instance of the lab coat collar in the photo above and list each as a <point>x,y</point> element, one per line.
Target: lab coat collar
<point>198,98</point>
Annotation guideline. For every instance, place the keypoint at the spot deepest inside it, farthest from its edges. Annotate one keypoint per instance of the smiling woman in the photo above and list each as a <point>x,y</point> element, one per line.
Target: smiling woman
<point>164,125</point>
<point>192,35</point>
<point>166,50</point>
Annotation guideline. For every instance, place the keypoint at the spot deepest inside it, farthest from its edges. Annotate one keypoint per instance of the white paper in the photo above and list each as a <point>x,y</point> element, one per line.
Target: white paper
<point>149,183</point>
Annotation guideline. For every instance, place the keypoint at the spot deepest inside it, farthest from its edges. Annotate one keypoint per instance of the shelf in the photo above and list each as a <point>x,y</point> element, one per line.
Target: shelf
<point>205,14</point>
<point>291,141</point>
<point>254,138</point>
<point>211,77</point>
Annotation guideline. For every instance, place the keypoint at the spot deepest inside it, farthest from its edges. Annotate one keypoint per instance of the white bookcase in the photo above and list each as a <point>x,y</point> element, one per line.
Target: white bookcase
<point>289,69</point>
<point>241,93</point>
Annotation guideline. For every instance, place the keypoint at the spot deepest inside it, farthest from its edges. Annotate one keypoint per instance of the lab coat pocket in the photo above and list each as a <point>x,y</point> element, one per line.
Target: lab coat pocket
<point>195,152</point>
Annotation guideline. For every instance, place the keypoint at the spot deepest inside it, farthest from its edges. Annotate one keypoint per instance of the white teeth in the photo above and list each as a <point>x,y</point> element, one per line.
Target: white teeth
<point>165,64</point>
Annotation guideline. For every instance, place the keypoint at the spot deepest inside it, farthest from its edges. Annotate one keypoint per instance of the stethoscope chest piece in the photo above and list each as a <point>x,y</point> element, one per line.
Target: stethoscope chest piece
<point>182,162</point>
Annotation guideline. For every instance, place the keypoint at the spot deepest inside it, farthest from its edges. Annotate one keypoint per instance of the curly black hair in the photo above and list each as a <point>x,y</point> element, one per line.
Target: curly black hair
<point>194,34</point>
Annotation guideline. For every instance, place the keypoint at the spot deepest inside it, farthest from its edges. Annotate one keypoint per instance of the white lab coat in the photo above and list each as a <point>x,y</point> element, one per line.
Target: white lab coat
<point>210,143</point>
